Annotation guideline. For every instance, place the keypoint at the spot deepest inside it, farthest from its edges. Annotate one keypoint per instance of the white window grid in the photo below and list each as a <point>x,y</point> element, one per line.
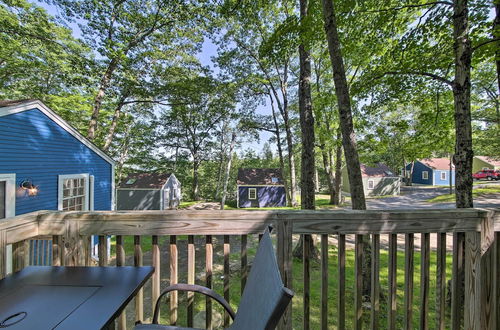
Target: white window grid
<point>425,175</point>
<point>73,198</point>
<point>252,193</point>
<point>443,175</point>
<point>371,184</point>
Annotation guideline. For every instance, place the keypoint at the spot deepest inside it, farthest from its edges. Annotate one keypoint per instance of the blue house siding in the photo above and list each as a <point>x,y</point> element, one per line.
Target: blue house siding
<point>439,182</point>
<point>418,169</point>
<point>267,196</point>
<point>35,147</point>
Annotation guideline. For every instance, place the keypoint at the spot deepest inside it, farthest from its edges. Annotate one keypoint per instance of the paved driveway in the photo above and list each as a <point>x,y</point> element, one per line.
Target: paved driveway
<point>415,197</point>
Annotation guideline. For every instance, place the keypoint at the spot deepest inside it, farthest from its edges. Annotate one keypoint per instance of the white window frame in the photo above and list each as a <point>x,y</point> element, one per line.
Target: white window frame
<point>442,176</point>
<point>485,168</point>
<point>425,175</point>
<point>250,190</point>
<point>372,182</point>
<point>10,194</point>
<point>61,179</point>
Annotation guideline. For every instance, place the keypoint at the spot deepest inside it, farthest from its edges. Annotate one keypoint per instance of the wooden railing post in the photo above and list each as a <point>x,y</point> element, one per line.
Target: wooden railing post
<point>73,245</point>
<point>3,253</point>
<point>20,252</point>
<point>284,256</point>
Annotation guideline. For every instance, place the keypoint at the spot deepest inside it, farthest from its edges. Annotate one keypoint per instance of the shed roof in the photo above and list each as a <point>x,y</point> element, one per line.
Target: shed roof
<point>145,180</point>
<point>437,163</point>
<point>489,160</point>
<point>260,176</point>
<point>381,170</point>
<point>9,107</point>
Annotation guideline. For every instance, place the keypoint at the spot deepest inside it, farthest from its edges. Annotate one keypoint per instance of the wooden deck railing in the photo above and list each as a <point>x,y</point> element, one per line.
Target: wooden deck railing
<point>475,253</point>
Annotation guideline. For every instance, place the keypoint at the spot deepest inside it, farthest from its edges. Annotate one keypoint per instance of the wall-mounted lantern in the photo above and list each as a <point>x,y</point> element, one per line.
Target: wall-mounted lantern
<point>27,184</point>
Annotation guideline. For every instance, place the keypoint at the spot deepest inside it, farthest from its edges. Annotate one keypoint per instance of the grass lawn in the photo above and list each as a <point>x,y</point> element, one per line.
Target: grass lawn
<point>322,202</point>
<point>332,289</point>
<point>446,198</point>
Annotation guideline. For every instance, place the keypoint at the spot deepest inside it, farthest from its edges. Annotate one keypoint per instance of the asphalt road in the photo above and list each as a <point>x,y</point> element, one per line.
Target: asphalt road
<point>415,197</point>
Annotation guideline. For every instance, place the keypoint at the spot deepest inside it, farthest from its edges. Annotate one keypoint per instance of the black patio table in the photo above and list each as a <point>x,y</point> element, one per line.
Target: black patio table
<point>44,297</point>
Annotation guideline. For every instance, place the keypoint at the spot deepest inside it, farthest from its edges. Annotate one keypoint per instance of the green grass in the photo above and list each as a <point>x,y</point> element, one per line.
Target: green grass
<point>322,202</point>
<point>446,198</point>
<point>186,204</point>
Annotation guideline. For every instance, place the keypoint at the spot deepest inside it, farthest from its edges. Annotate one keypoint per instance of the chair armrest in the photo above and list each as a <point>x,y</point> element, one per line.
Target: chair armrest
<point>193,288</point>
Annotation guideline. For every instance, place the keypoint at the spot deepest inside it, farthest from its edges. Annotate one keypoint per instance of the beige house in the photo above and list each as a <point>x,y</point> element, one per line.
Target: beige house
<point>484,162</point>
<point>377,181</point>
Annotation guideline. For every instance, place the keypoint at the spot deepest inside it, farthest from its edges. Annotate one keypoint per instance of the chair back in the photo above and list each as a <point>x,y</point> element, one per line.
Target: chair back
<point>264,298</point>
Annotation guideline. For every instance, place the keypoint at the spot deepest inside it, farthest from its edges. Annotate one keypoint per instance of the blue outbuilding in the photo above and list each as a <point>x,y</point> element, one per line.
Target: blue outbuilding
<point>45,164</point>
<point>260,187</point>
<point>431,171</point>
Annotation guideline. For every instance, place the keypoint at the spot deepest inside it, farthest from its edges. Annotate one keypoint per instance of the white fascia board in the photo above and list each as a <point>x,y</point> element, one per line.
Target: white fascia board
<point>58,120</point>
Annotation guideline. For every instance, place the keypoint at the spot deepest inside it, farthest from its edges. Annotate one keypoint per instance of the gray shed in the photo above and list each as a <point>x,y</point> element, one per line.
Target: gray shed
<point>377,181</point>
<point>148,191</point>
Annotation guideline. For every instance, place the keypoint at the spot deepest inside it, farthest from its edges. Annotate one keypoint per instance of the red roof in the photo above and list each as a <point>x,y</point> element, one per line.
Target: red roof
<point>489,160</point>
<point>437,163</point>
<point>380,170</point>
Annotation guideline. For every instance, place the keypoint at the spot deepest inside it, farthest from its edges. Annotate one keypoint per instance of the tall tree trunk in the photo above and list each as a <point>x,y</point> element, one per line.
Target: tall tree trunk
<point>103,87</point>
<point>308,163</point>
<point>496,35</point>
<point>114,122</point>
<point>338,171</point>
<point>344,103</point>
<point>221,166</point>
<point>123,154</point>
<point>280,152</point>
<point>461,96</point>
<point>291,158</point>
<point>328,166</point>
<point>228,170</point>
<point>196,184</point>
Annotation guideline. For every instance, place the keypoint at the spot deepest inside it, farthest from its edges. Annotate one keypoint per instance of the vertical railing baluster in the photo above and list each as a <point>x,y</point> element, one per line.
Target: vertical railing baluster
<point>425,250</point>
<point>227,251</point>
<point>173,279</point>
<point>324,281</point>
<point>244,260</point>
<point>457,280</point>
<point>190,279</point>
<point>472,292</point>
<point>391,301</point>
<point>341,282</point>
<point>441,281</point>
<point>19,253</point>
<point>358,286</point>
<point>284,257</point>
<point>139,298</point>
<point>375,283</point>
<point>155,284</point>
<point>306,280</point>
<point>208,282</point>
<point>102,251</point>
<point>120,261</point>
<point>409,273</point>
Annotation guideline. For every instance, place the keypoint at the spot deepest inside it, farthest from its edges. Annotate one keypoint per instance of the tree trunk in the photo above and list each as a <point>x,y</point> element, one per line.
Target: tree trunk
<point>327,164</point>
<point>114,122</point>
<point>496,35</point>
<point>461,97</point>
<point>228,170</point>
<point>308,162</point>
<point>103,86</point>
<point>280,153</point>
<point>196,185</point>
<point>338,172</point>
<point>291,159</point>
<point>344,103</point>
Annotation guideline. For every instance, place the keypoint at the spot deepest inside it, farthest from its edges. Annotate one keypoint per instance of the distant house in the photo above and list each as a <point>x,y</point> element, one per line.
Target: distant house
<point>483,163</point>
<point>377,181</point>
<point>260,187</point>
<point>432,171</point>
<point>46,164</point>
<point>148,191</point>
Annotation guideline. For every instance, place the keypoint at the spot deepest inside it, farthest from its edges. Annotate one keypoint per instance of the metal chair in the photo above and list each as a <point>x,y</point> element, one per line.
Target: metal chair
<point>264,298</point>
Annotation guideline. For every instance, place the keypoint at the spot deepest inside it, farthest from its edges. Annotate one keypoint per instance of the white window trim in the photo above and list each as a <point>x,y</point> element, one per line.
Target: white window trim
<point>252,189</point>
<point>441,176</point>
<point>373,184</point>
<point>425,175</point>
<point>10,194</point>
<point>61,179</point>
<point>485,168</point>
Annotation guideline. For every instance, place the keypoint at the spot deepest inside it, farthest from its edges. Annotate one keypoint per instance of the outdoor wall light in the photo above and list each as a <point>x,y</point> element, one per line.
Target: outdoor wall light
<point>28,185</point>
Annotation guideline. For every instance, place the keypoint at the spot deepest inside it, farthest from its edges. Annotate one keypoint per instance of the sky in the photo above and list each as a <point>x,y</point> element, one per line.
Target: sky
<point>208,52</point>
